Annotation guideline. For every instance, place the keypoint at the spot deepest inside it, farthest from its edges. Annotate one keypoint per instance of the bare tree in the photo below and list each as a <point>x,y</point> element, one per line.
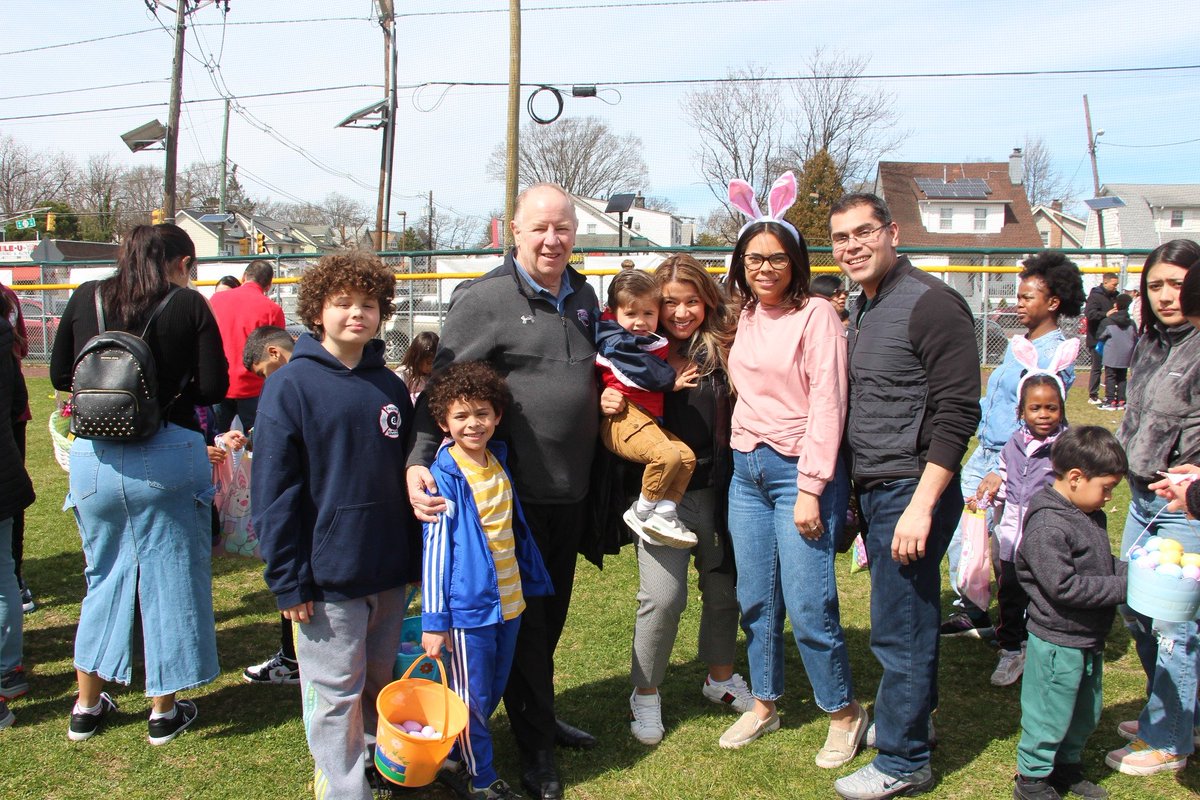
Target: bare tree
<point>97,192</point>
<point>837,114</point>
<point>1043,183</point>
<point>740,123</point>
<point>655,203</point>
<point>581,154</point>
<point>141,192</point>
<point>451,231</point>
<point>344,215</point>
<point>29,179</point>
<point>199,186</point>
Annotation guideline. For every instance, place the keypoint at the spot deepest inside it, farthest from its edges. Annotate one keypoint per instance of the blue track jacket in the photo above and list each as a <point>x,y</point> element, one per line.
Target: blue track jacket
<point>459,588</point>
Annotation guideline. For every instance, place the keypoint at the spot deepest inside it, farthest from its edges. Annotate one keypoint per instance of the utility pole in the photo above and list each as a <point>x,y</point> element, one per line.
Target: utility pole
<point>1087,113</point>
<point>431,245</point>
<point>514,113</point>
<point>224,179</point>
<point>387,21</point>
<point>172,142</point>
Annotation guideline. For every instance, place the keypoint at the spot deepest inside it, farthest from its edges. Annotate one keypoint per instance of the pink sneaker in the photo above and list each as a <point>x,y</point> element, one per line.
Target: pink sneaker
<point>1139,758</point>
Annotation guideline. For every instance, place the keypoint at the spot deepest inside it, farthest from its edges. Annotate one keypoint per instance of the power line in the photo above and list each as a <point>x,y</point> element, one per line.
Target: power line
<point>81,41</point>
<point>848,77</point>
<point>198,100</point>
<point>1141,146</point>
<point>85,89</point>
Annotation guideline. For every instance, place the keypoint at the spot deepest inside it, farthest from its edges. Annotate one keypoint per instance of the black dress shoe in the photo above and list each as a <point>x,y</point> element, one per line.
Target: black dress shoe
<point>566,735</point>
<point>541,779</point>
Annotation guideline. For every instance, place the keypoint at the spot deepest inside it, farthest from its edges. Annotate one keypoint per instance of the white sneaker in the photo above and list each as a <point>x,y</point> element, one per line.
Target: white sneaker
<point>645,717</point>
<point>667,529</point>
<point>1008,670</point>
<point>733,693</point>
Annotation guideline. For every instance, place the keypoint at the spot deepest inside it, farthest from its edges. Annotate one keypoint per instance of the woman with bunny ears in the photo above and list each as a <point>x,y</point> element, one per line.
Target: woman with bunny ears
<point>1050,288</point>
<point>788,496</point>
<point>1023,469</point>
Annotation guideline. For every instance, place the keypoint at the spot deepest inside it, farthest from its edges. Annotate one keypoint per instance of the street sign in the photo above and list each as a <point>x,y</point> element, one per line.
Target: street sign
<point>27,223</point>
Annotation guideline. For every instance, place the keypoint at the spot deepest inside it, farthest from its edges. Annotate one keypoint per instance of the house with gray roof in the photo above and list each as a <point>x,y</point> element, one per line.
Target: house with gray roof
<point>1153,213</point>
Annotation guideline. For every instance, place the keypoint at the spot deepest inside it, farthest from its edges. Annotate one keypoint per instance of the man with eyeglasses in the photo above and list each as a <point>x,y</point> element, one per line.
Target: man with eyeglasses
<point>914,404</point>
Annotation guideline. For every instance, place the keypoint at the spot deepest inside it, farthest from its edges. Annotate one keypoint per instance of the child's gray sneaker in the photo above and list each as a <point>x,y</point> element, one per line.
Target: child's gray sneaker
<point>665,528</point>
<point>637,524</point>
<point>869,783</point>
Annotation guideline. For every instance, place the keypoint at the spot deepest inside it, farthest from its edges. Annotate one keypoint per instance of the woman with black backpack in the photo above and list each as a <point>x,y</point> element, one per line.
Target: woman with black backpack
<point>140,483</point>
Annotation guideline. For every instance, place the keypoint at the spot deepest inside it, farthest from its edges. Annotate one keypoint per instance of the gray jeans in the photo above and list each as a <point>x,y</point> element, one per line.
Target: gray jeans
<point>346,653</point>
<point>663,591</point>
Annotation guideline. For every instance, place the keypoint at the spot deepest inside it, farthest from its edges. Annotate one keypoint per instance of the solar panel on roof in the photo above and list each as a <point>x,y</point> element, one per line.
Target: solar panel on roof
<point>963,189</point>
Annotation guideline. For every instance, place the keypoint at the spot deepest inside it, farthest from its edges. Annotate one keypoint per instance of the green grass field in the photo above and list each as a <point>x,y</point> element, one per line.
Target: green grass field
<point>249,741</point>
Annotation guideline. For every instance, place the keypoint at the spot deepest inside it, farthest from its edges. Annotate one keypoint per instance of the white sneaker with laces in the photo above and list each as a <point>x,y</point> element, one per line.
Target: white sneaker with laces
<point>1009,668</point>
<point>277,669</point>
<point>645,717</point>
<point>733,693</point>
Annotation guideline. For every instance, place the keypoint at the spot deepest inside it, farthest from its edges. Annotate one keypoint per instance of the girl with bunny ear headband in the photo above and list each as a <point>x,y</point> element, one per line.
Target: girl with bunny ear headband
<point>1026,355</point>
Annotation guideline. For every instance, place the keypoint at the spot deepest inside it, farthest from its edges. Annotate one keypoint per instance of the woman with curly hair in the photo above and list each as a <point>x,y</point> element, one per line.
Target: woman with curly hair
<point>331,510</point>
<point>1050,288</point>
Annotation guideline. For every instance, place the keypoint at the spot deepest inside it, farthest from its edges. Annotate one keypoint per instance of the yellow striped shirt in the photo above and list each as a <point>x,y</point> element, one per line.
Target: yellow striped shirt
<point>494,499</point>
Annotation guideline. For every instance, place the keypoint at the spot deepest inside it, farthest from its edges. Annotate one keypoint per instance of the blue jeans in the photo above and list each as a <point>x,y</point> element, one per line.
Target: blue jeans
<point>905,614</point>
<point>981,462</point>
<point>144,511</point>
<point>11,615</point>
<point>780,571</point>
<point>1169,651</point>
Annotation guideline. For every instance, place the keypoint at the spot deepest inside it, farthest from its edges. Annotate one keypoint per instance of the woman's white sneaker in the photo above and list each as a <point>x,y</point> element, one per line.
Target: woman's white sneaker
<point>645,717</point>
<point>733,693</point>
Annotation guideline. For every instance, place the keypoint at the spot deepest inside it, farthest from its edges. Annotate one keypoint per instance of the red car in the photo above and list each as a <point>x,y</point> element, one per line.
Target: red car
<point>40,328</point>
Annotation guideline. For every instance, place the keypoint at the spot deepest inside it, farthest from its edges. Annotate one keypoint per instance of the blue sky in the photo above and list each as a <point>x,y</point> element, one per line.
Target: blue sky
<point>445,138</point>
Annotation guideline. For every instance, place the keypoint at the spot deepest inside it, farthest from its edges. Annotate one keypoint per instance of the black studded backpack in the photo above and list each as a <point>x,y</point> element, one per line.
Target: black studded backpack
<point>114,384</point>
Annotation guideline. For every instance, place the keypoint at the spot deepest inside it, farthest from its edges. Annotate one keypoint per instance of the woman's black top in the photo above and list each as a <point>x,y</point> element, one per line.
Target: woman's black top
<point>185,342</point>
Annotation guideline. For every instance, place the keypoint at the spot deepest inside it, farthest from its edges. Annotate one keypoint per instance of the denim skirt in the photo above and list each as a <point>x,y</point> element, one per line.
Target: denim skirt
<point>144,515</point>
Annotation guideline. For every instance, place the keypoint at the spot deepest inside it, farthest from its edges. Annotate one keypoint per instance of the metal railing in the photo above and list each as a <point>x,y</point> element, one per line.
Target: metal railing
<point>986,278</point>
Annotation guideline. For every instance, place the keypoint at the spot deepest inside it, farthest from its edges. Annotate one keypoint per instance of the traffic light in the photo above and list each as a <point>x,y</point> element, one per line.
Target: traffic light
<point>156,216</point>
<point>50,222</point>
<point>261,239</point>
<point>244,245</point>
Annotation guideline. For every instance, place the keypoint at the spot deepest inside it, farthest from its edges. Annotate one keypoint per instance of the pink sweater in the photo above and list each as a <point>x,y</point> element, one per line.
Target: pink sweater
<point>789,370</point>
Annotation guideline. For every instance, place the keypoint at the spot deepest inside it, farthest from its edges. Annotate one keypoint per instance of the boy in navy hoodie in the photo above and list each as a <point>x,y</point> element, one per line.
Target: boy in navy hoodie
<point>480,563</point>
<point>334,525</point>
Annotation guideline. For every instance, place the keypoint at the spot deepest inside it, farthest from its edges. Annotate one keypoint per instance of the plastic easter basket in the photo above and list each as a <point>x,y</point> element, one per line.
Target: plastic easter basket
<point>1165,597</point>
<point>405,758</point>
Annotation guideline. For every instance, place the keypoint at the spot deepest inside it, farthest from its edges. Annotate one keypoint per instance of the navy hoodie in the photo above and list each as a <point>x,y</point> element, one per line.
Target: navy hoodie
<point>329,501</point>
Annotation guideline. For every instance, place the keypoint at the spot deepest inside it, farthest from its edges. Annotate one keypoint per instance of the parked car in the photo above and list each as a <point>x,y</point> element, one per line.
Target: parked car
<point>40,327</point>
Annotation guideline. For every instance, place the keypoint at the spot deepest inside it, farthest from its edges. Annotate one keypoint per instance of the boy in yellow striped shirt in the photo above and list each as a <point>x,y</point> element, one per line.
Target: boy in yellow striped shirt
<point>479,564</point>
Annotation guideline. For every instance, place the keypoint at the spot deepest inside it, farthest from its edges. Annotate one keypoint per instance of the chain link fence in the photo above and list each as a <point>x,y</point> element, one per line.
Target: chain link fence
<point>426,281</point>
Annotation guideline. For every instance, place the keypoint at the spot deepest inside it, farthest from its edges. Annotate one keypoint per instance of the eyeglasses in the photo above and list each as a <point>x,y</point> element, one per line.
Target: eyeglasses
<point>776,260</point>
<point>862,235</point>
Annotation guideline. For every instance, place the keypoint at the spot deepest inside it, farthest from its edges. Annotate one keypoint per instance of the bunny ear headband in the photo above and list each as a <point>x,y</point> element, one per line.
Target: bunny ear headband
<point>781,198</point>
<point>1064,356</point>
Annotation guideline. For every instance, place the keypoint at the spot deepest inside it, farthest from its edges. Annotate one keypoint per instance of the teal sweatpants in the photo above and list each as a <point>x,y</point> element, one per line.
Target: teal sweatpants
<point>1061,699</point>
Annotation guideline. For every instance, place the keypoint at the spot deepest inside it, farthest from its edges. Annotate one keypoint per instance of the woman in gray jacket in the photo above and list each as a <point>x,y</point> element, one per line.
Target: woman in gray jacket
<point>1161,429</point>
